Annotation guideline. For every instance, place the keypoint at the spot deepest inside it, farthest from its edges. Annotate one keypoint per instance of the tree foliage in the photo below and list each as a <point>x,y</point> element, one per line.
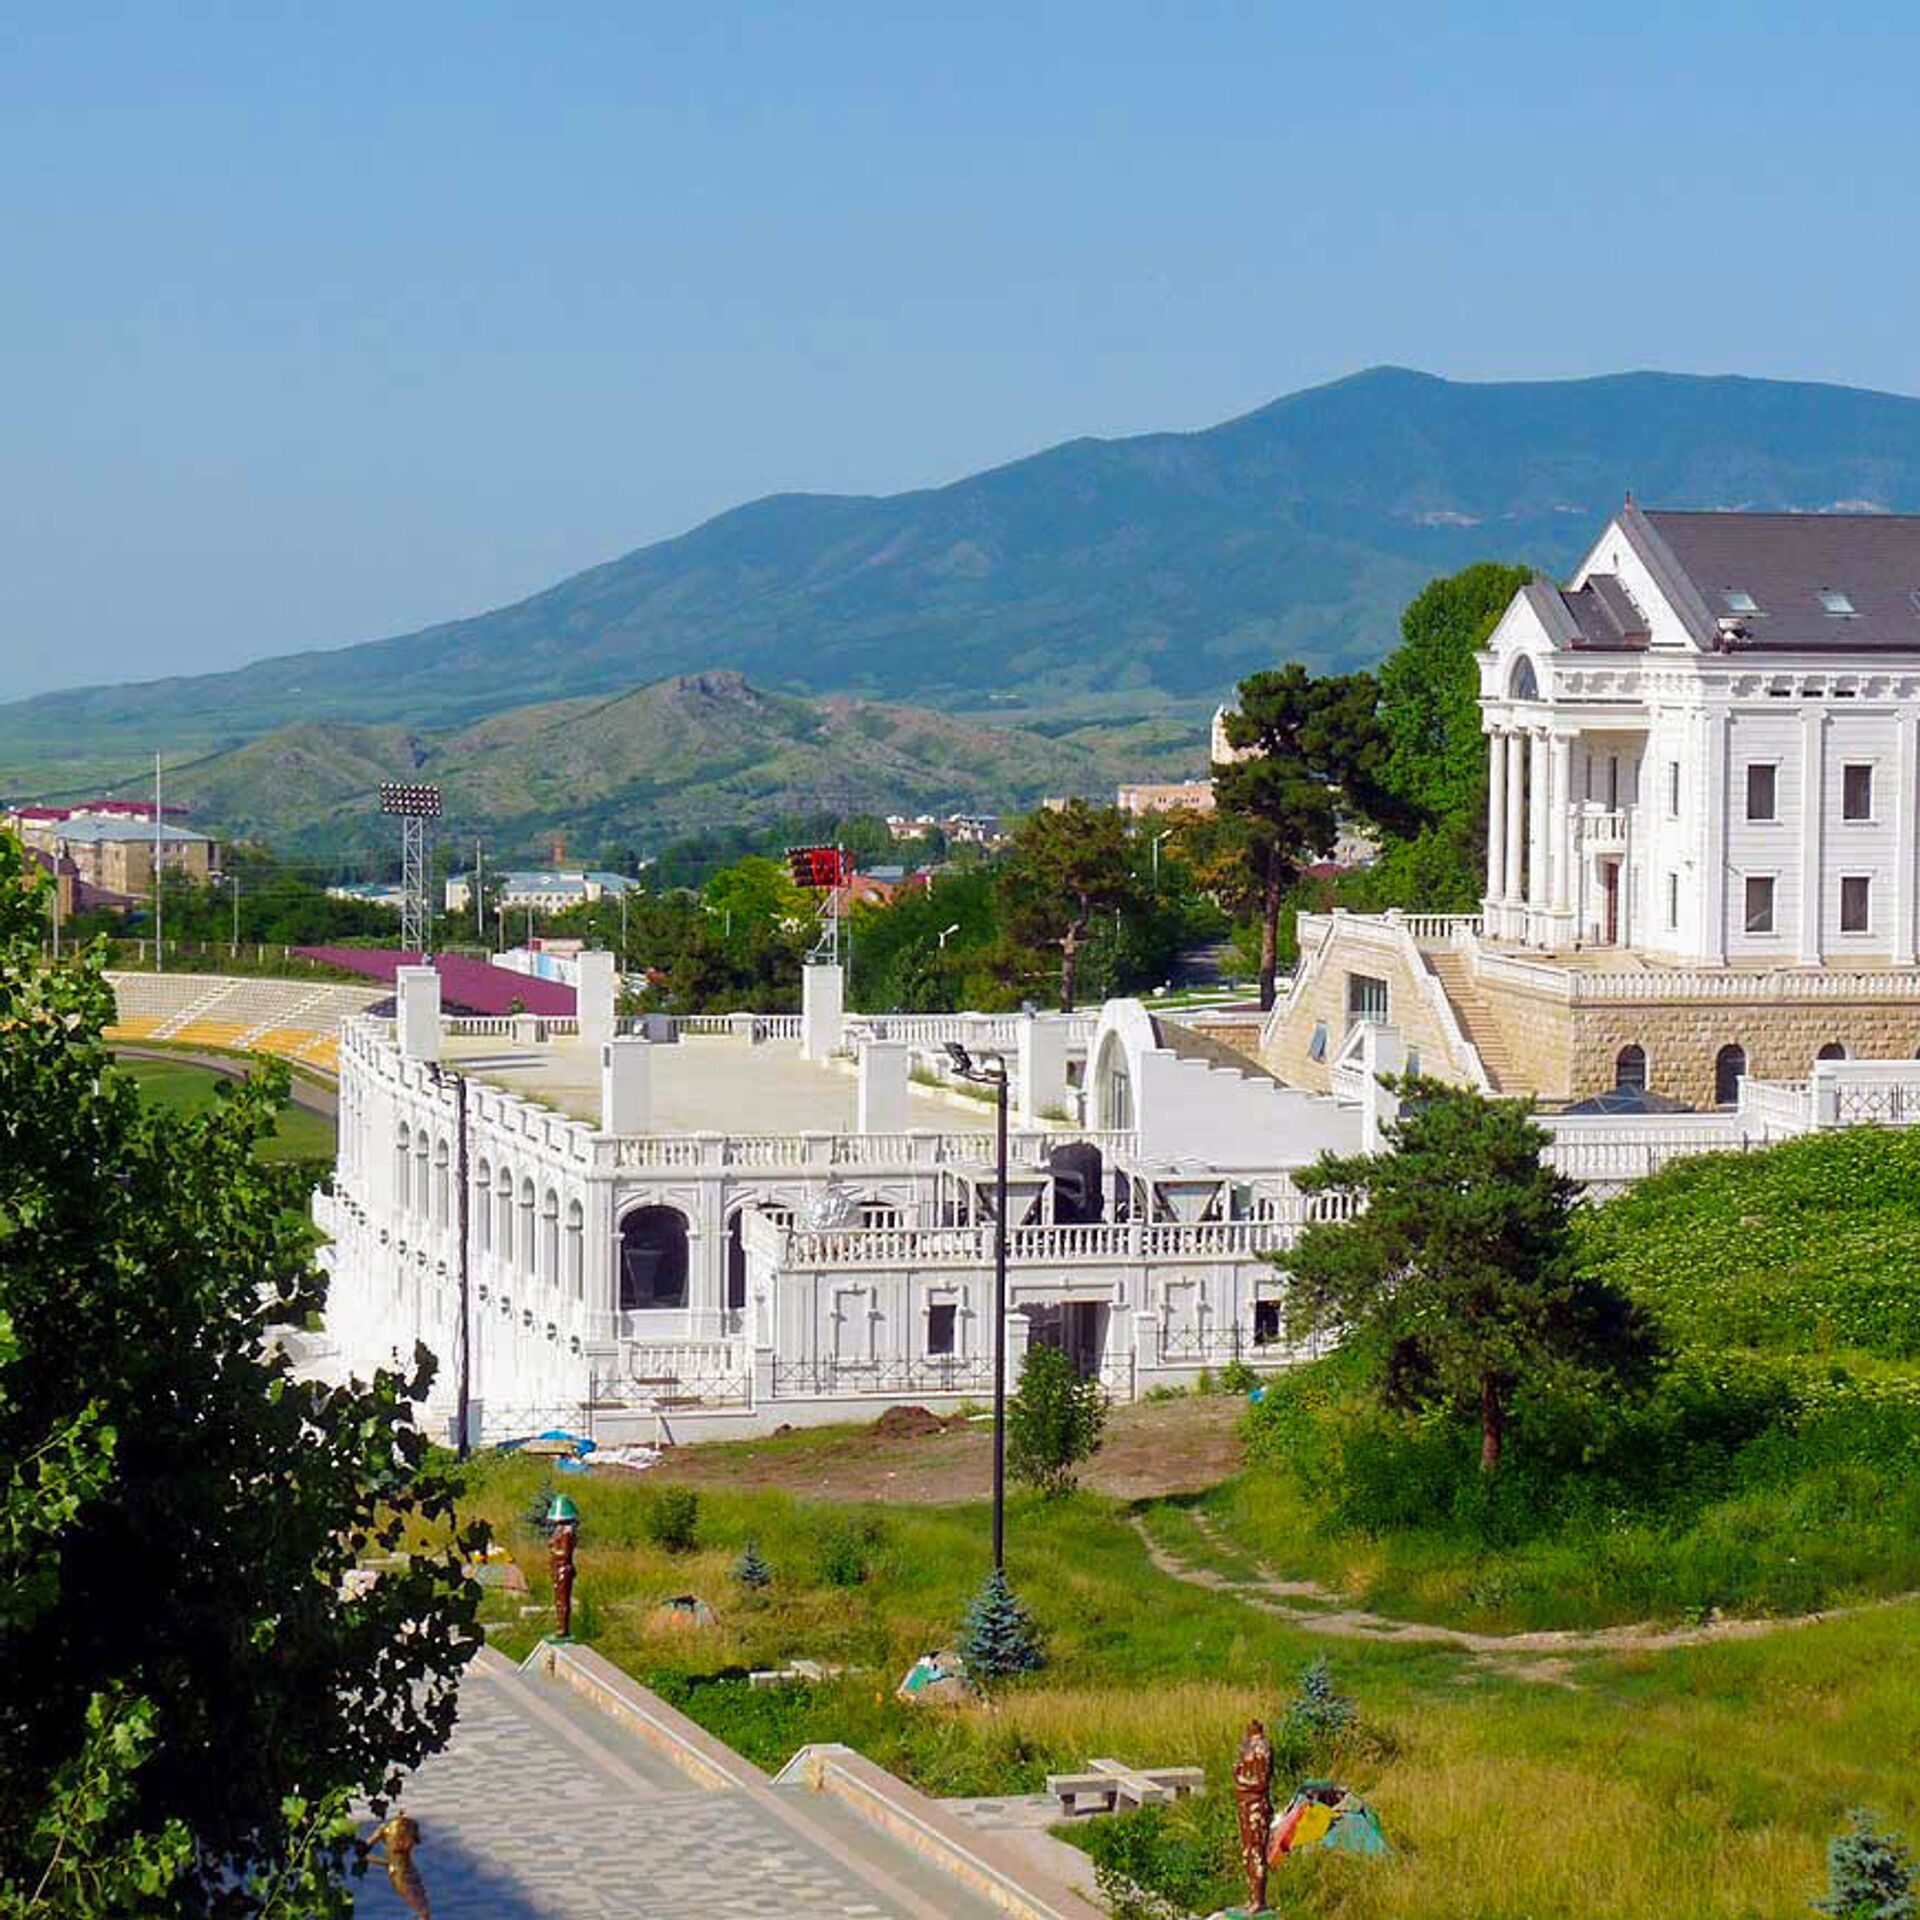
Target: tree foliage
<point>1066,867</point>
<point>1870,1875</point>
<point>1458,1275</point>
<point>1054,1421</point>
<point>1310,750</point>
<point>998,1639</point>
<point>191,1694</point>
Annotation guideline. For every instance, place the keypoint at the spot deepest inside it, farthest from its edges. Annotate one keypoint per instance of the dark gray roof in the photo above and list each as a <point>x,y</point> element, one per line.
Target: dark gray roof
<point>1598,618</point>
<point>1785,561</point>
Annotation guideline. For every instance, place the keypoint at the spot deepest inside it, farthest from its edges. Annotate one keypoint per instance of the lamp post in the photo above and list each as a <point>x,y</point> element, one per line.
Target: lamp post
<point>995,1077</point>
<point>947,934</point>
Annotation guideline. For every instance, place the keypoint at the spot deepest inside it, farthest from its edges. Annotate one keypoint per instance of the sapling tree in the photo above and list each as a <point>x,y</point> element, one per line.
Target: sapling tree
<point>999,1638</point>
<point>1456,1276</point>
<point>1870,1874</point>
<point>1054,1421</point>
<point>751,1570</point>
<point>192,1695</point>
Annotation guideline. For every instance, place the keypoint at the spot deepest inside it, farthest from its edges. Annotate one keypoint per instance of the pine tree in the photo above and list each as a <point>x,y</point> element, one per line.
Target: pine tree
<point>1317,1708</point>
<point>1869,1875</point>
<point>750,1570</point>
<point>999,1637</point>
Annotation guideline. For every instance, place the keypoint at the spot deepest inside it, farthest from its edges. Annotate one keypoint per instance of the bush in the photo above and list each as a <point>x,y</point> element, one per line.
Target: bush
<point>999,1638</point>
<point>845,1553</point>
<point>672,1519</point>
<point>1869,1875</point>
<point>1053,1422</point>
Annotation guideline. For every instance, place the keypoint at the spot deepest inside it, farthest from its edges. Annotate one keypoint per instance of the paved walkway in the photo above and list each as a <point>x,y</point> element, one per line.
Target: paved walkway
<point>543,1809</point>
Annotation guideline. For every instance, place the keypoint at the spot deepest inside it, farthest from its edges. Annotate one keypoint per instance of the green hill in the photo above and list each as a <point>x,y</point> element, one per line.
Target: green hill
<point>1102,576</point>
<point>697,751</point>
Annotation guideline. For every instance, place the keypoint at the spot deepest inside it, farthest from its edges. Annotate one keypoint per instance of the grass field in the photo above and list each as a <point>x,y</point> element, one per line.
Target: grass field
<point>178,1086</point>
<point>1702,1781</point>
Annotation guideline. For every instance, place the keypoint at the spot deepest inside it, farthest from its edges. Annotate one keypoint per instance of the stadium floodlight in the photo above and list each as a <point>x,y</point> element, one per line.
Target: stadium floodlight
<point>410,800</point>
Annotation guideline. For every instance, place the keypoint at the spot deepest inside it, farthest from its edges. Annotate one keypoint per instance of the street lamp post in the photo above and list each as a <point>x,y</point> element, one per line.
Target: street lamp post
<point>947,934</point>
<point>995,1077</point>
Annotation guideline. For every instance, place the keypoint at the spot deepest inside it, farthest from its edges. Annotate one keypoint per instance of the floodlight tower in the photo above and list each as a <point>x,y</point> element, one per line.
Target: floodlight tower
<point>413,805</point>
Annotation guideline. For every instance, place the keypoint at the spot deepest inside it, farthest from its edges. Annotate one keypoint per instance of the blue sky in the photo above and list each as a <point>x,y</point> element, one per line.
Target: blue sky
<point>322,322</point>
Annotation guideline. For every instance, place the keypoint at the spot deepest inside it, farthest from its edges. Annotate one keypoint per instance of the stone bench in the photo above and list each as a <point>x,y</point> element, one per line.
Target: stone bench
<point>1111,1786</point>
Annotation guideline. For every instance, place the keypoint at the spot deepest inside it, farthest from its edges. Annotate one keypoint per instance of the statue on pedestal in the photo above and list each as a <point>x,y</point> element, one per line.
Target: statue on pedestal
<point>392,1846</point>
<point>562,1538</point>
<point>1253,1799</point>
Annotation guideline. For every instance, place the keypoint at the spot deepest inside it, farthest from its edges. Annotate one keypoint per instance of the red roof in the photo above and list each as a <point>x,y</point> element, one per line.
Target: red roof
<point>466,985</point>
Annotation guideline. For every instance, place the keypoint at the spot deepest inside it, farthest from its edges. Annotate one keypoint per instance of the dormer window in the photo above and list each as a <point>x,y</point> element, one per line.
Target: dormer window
<point>1836,603</point>
<point>1739,600</point>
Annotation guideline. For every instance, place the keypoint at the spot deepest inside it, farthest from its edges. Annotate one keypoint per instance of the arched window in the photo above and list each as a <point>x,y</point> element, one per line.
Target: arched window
<point>737,1248</point>
<point>441,1158</point>
<point>1729,1069</point>
<point>421,1197</point>
<point>576,1273</point>
<point>483,1202</point>
<point>1630,1069</point>
<point>503,1215</point>
<point>526,1225</point>
<point>1523,683</point>
<point>1113,1087</point>
<point>550,1238</point>
<point>402,1168</point>
<point>653,1259</point>
<point>1833,1050</point>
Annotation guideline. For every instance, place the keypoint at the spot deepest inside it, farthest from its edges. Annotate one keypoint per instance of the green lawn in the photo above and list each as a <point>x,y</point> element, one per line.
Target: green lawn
<point>1695,1782</point>
<point>178,1086</point>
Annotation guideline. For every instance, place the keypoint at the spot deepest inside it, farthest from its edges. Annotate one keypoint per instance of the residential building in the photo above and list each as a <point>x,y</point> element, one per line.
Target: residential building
<point>1182,796</point>
<point>544,889</point>
<point>112,844</point>
<point>1704,753</point>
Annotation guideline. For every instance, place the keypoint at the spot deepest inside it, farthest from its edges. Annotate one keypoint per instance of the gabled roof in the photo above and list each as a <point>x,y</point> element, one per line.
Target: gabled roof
<point>1784,563</point>
<point>1598,617</point>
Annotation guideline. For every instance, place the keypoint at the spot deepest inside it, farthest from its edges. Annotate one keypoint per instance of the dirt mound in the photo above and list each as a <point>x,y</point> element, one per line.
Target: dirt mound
<point>908,1423</point>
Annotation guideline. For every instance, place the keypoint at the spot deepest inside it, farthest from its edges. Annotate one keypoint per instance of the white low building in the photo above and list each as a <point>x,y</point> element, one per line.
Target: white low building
<point>769,1220</point>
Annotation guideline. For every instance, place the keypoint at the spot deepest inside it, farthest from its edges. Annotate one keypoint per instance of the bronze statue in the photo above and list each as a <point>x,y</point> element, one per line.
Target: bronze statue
<point>397,1837</point>
<point>560,1545</point>
<point>1253,1797</point>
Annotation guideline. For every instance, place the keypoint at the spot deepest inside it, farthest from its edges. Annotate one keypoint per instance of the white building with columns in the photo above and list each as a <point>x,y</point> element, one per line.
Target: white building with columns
<point>1701,811</point>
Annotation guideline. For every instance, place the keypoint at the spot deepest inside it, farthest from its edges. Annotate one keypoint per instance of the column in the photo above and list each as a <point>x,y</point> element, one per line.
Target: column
<point>594,1000</point>
<point>880,1102</point>
<point>1537,777</point>
<point>1516,815</point>
<point>1561,806</point>
<point>1496,817</point>
<point>1709,833</point>
<point>1813,794</point>
<point>822,999</point>
<point>1902,904</point>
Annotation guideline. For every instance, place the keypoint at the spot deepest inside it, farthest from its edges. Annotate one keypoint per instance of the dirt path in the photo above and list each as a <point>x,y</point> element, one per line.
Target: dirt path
<point>1540,1655</point>
<point>1152,1449</point>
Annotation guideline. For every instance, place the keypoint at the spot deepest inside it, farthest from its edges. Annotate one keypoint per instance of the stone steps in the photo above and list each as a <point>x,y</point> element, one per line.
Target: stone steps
<point>1476,1019</point>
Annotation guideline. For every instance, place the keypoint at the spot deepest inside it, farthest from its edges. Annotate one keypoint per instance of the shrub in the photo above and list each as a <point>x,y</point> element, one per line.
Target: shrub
<point>845,1553</point>
<point>750,1570</point>
<point>1317,1710</point>
<point>1053,1422</point>
<point>999,1638</point>
<point>673,1519</point>
<point>1237,1377</point>
<point>1869,1875</point>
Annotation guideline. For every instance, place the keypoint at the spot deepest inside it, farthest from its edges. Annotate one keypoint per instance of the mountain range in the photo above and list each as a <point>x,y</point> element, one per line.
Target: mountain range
<point>1098,581</point>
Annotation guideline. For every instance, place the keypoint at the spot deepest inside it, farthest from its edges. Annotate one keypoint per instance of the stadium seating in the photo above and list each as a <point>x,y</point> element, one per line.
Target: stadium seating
<point>295,1019</point>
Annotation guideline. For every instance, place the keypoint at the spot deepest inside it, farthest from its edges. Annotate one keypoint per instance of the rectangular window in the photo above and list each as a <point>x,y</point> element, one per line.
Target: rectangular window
<point>1673,902</point>
<point>1760,792</point>
<point>1673,789</point>
<point>1366,998</point>
<point>1856,793</point>
<point>1759,903</point>
<point>940,1326</point>
<point>1266,1323</point>
<point>1856,903</point>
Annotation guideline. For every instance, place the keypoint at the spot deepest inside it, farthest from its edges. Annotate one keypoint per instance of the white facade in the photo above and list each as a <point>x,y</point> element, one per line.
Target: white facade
<point>1712,769</point>
<point>680,1282</point>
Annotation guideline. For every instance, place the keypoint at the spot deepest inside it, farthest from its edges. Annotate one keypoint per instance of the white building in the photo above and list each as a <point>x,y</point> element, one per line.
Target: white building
<point>765,1220</point>
<point>1703,747</point>
<point>544,889</point>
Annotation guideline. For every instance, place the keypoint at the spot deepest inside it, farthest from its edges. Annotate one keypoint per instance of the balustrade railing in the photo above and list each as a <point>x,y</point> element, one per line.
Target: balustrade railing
<point>933,1373</point>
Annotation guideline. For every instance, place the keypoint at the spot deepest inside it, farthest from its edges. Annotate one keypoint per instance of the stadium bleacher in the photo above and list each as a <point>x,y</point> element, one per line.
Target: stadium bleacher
<point>292,1018</point>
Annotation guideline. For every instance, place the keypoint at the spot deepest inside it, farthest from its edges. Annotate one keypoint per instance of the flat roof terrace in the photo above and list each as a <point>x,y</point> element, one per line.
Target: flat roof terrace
<point>702,1084</point>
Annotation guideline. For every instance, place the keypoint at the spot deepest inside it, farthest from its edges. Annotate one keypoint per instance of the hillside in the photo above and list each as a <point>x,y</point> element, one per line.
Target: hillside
<point>696,751</point>
<point>1111,576</point>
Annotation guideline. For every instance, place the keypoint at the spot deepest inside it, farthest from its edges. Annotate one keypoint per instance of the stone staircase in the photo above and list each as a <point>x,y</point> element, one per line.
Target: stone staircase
<point>1476,1019</point>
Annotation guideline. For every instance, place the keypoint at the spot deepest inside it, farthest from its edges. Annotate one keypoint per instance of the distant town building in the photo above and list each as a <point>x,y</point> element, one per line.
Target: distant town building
<point>1181,796</point>
<point>369,893</point>
<point>111,844</point>
<point>544,889</point>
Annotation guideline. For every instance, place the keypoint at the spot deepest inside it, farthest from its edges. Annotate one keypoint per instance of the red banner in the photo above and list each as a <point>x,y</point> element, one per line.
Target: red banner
<point>821,867</point>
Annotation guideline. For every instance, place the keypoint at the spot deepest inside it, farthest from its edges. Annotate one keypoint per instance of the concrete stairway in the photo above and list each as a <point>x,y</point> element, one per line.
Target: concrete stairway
<point>1475,1017</point>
